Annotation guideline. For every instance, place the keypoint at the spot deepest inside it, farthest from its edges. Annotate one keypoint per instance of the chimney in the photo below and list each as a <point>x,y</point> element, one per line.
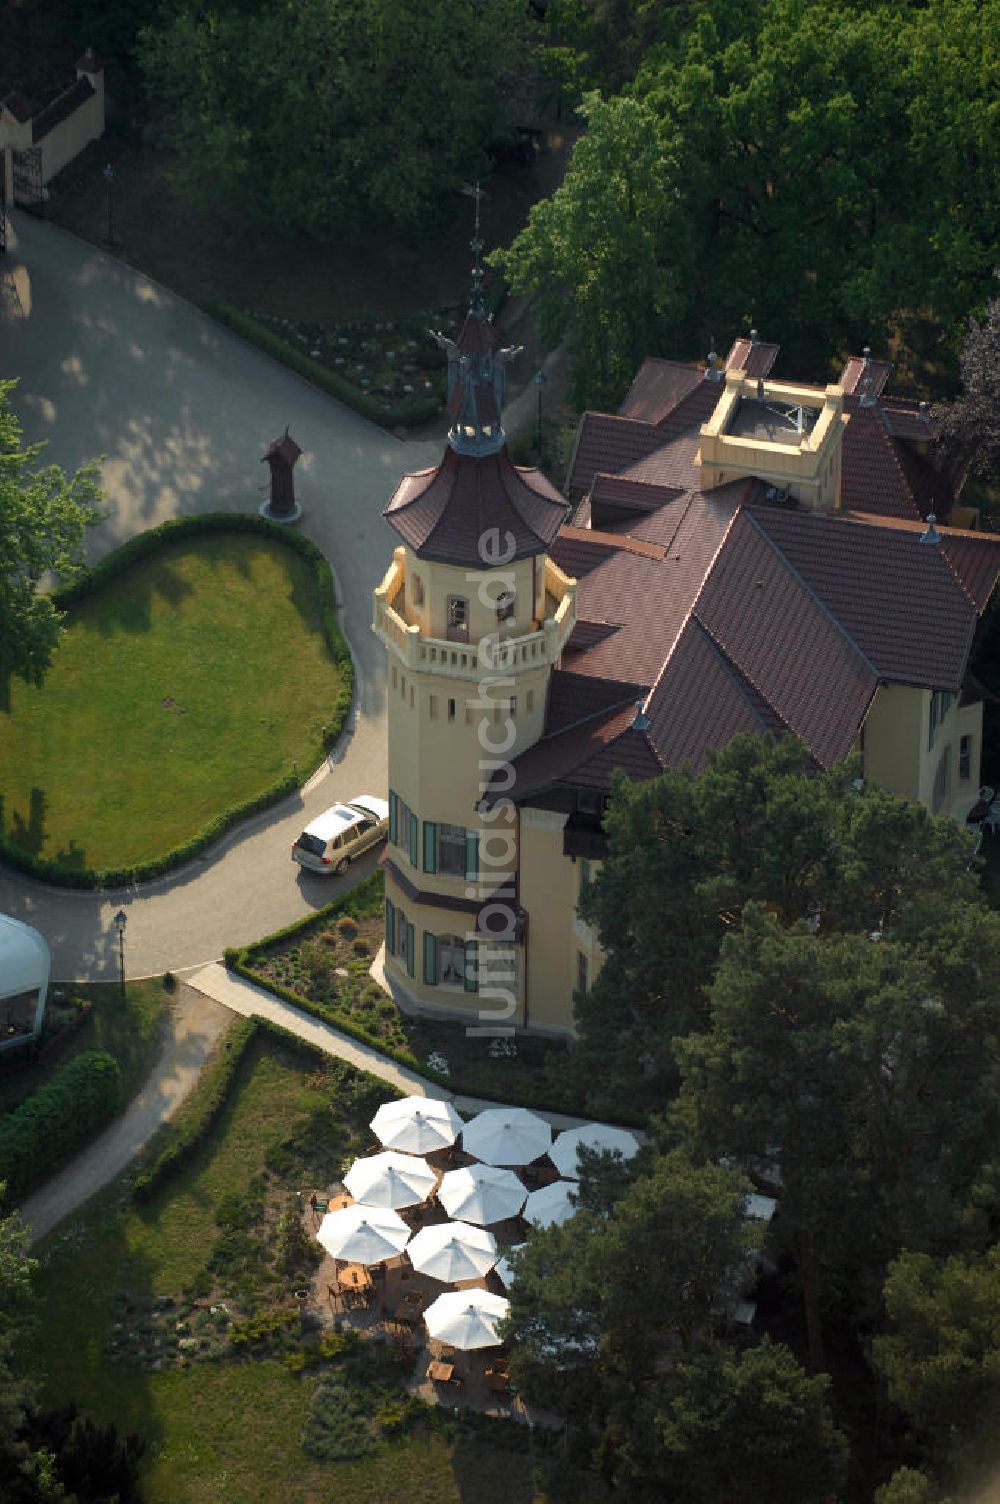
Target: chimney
<point>640,721</point>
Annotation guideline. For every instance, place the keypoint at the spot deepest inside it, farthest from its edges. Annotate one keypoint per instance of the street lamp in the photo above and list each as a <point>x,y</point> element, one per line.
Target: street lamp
<point>540,381</point>
<point>121,920</point>
<point>109,178</point>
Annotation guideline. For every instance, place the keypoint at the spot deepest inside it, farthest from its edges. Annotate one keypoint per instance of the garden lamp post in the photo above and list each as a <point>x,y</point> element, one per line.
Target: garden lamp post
<point>121,919</point>
<point>540,381</point>
<point>109,178</point>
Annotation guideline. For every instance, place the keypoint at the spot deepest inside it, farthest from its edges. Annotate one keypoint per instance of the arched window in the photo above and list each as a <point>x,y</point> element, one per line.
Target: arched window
<point>506,605</point>
<point>418,590</point>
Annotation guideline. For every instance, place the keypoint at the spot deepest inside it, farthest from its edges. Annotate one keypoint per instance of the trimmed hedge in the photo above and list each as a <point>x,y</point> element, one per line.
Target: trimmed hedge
<point>38,1137</point>
<point>117,563</point>
<point>241,961</point>
<point>408,414</point>
<point>203,1108</point>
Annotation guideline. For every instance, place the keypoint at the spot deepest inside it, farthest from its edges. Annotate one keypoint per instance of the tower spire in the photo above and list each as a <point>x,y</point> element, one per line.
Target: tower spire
<point>476,368</point>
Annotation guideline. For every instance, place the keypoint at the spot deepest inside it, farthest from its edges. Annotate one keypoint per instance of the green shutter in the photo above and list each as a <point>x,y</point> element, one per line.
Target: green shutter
<point>390,927</point>
<point>430,846</point>
<point>393,817</point>
<point>471,958</point>
<point>410,959</point>
<point>430,959</point>
<point>414,840</point>
<point>471,856</point>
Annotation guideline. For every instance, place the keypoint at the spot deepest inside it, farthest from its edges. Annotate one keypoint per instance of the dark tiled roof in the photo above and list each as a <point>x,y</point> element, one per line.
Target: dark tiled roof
<point>586,633</point>
<point>880,474</point>
<point>752,359</point>
<point>909,420</point>
<point>605,441</point>
<point>702,701</point>
<point>898,599</point>
<point>974,558</point>
<point>785,643</point>
<point>444,513</point>
<point>61,108</point>
<point>878,370</point>
<point>578,697</point>
<point>586,755</point>
<point>658,388</point>
<point>19,106</point>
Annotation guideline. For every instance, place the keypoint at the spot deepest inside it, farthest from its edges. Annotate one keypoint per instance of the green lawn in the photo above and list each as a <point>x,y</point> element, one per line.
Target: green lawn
<point>229,1428</point>
<point>129,1028</point>
<point>188,685</point>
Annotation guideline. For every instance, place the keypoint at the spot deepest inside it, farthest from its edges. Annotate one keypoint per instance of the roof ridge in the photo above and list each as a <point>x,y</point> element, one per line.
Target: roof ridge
<point>786,561</point>
<point>947,535</point>
<point>736,672</point>
<point>694,604</point>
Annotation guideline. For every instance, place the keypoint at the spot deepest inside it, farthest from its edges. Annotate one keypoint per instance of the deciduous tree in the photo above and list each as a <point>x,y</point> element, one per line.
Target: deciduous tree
<point>43,518</point>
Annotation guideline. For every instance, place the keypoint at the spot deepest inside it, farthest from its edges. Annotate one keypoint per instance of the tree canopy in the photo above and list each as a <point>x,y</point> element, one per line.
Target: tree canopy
<point>614,1323</point>
<point>324,114</point>
<point>43,518</point>
<point>685,857</point>
<point>822,171</point>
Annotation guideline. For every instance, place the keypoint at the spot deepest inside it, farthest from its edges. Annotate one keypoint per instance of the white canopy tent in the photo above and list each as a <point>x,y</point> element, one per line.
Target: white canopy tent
<point>466,1318</point>
<point>390,1179</point>
<point>481,1193</point>
<point>25,963</point>
<point>453,1251</point>
<point>507,1136</point>
<point>600,1137</point>
<point>417,1125</point>
<point>363,1234</point>
<point>551,1204</point>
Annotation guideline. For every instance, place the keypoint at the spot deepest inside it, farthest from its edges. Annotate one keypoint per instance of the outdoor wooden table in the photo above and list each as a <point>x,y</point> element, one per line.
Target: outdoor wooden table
<point>441,1373</point>
<point>354,1277</point>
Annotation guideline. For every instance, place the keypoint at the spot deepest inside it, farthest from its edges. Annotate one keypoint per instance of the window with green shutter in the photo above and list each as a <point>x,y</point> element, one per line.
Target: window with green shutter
<point>410,949</point>
<point>414,840</point>
<point>430,846</point>
<point>430,959</point>
<point>393,817</point>
<point>471,963</point>
<point>471,856</point>
<point>390,927</point>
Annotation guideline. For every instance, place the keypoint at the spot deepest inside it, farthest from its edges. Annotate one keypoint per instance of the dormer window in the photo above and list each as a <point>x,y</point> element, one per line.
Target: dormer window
<point>506,605</point>
<point>458,618</point>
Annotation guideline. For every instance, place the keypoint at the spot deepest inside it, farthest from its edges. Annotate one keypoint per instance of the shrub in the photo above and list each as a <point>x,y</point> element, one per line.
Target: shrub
<point>199,1112</point>
<point>335,1429</point>
<point>45,1130</point>
<point>361,948</point>
<point>347,927</point>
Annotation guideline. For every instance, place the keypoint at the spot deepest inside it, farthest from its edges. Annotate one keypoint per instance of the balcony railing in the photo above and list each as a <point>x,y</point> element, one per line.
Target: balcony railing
<point>507,653</point>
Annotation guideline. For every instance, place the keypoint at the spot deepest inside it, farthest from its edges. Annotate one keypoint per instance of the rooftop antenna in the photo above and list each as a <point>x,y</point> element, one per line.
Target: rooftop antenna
<point>931,535</point>
<point>473,191</point>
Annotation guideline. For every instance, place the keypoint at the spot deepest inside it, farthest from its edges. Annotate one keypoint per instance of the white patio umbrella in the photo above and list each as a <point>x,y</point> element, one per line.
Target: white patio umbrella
<point>466,1318</point>
<point>481,1193</point>
<point>453,1251</point>
<point>551,1204</point>
<point>363,1234</point>
<point>390,1179</point>
<point>507,1136</point>
<point>503,1268</point>
<point>565,1151</point>
<point>416,1125</point>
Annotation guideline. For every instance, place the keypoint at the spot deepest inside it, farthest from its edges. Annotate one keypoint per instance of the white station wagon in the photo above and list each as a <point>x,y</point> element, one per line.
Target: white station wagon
<point>331,842</point>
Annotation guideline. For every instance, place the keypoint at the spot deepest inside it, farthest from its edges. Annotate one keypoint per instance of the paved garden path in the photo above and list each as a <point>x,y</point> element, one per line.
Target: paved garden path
<point>111,363</point>
<point>247,998</point>
<point>195,1023</point>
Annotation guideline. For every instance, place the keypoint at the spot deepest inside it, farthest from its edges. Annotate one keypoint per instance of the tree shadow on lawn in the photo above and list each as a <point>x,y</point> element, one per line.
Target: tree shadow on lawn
<point>27,831</point>
<point>125,604</point>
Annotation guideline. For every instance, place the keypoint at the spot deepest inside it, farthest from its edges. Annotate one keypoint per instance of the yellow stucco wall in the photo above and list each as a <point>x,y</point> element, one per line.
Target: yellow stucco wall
<point>550,889</point>
<point>899,755</point>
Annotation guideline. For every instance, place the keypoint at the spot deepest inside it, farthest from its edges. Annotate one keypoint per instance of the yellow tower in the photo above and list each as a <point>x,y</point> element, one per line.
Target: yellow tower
<point>474,616</point>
